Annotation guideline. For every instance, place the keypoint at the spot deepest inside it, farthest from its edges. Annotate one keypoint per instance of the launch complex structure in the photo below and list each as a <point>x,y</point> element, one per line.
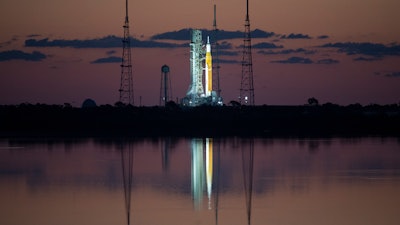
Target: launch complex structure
<point>204,88</point>
<point>201,70</point>
<point>201,73</point>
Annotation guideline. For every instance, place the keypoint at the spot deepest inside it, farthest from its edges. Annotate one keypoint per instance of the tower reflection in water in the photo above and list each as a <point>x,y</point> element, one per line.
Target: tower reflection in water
<point>203,173</point>
<point>248,165</point>
<point>127,175</point>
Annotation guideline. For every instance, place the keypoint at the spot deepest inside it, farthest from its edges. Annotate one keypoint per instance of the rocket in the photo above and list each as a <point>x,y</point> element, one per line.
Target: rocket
<point>208,74</point>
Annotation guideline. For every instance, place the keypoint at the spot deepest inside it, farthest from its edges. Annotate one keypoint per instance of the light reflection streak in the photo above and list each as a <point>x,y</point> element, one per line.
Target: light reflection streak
<point>165,148</point>
<point>197,172</point>
<point>202,170</point>
<point>209,168</point>
<point>217,176</point>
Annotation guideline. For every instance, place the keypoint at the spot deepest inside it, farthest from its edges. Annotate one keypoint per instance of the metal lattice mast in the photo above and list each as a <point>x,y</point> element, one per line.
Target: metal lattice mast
<point>215,55</point>
<point>165,88</point>
<point>247,86</point>
<point>126,87</point>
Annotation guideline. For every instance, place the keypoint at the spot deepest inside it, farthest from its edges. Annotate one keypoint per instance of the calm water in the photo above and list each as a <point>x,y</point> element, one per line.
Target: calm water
<point>200,181</point>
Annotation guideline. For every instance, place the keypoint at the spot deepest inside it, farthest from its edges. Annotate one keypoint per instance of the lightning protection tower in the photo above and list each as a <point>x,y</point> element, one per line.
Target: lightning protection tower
<point>165,89</point>
<point>126,87</point>
<point>215,54</point>
<point>247,86</point>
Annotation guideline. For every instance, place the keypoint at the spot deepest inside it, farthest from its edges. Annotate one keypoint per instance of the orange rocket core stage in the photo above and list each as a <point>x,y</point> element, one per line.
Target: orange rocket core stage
<point>208,78</point>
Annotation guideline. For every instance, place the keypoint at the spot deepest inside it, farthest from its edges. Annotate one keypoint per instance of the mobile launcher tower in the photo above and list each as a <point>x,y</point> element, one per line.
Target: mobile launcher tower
<point>201,73</point>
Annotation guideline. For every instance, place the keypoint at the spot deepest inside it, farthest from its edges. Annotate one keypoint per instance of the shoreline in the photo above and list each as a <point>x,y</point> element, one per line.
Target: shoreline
<point>174,120</point>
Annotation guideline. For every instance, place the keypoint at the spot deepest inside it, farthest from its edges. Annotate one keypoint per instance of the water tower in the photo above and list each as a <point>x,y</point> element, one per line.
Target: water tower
<point>165,88</point>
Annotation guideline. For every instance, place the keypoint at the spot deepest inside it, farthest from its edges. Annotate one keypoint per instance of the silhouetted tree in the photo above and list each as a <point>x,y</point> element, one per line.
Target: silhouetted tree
<point>119,104</point>
<point>234,103</point>
<point>171,105</point>
<point>89,103</point>
<point>67,105</point>
<point>312,101</point>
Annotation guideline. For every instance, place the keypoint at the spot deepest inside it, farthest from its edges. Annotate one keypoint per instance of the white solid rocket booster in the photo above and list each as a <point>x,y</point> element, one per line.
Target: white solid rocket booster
<point>208,75</point>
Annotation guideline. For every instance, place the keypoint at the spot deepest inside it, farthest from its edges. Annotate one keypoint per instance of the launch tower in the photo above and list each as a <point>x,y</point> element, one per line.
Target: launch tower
<point>247,87</point>
<point>126,86</point>
<point>196,90</point>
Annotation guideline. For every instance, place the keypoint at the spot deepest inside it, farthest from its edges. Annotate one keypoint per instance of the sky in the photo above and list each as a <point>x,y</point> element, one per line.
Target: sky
<point>59,51</point>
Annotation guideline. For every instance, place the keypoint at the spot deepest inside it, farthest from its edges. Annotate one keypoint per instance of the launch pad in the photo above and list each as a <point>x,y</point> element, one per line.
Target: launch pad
<point>201,73</point>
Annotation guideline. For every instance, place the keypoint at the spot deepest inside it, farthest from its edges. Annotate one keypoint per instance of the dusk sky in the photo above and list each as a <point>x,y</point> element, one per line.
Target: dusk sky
<point>59,51</point>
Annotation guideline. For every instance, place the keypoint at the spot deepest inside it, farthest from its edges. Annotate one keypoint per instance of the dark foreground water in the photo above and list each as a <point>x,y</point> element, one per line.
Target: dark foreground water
<point>231,181</point>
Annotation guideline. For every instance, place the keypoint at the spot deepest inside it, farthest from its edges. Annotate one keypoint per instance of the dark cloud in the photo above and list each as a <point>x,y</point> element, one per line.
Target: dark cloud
<point>323,37</point>
<point>388,73</point>
<point>228,61</point>
<point>184,34</point>
<point>266,45</point>
<point>367,59</point>
<point>20,55</point>
<point>228,53</point>
<point>111,52</point>
<point>295,60</point>
<point>328,61</point>
<point>365,48</point>
<point>224,45</point>
<point>33,35</point>
<point>105,42</point>
<point>111,59</point>
<point>295,36</point>
<point>9,42</point>
<point>392,74</point>
<point>257,33</point>
<point>287,51</point>
<point>302,60</point>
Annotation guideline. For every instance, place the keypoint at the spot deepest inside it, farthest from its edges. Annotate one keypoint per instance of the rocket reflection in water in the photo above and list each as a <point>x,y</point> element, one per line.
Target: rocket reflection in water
<point>201,174</point>
<point>209,168</point>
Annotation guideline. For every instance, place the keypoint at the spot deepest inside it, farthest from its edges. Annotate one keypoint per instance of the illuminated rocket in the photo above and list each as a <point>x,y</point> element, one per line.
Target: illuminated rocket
<point>200,90</point>
<point>208,69</point>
